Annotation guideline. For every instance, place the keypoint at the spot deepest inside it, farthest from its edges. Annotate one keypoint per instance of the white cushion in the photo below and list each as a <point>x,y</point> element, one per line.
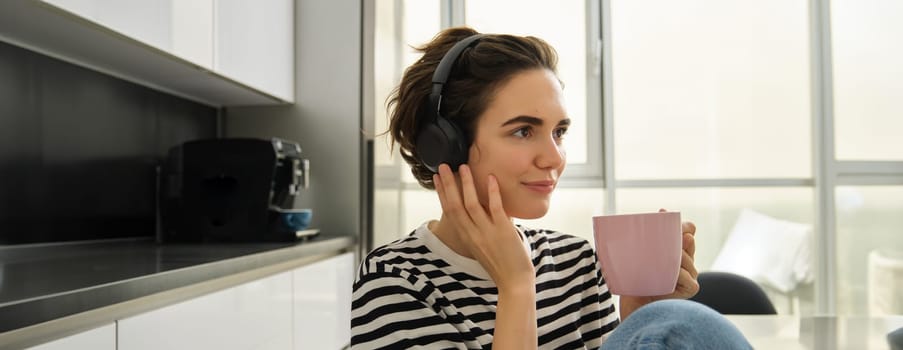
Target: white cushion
<point>770,251</point>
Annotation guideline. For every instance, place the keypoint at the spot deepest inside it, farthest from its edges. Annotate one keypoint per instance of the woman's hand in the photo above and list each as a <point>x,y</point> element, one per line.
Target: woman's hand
<point>686,287</point>
<point>490,237</point>
<point>487,233</point>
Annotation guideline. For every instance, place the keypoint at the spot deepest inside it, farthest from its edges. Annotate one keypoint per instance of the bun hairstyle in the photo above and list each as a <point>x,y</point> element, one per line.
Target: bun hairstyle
<point>476,74</point>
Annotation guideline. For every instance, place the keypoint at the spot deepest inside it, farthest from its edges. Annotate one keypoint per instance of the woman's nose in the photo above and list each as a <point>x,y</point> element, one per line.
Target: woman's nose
<point>551,154</point>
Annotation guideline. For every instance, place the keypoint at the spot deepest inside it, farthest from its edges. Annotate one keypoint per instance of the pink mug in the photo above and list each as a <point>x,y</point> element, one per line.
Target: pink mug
<point>639,253</point>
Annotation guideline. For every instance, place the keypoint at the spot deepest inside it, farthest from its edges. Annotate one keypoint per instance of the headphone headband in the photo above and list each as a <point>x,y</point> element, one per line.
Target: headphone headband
<point>443,70</point>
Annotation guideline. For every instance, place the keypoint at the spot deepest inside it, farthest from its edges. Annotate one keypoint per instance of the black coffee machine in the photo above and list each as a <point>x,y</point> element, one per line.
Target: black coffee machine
<point>230,190</point>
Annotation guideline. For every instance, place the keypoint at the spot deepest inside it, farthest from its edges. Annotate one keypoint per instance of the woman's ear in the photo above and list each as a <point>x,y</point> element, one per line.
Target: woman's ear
<point>474,154</point>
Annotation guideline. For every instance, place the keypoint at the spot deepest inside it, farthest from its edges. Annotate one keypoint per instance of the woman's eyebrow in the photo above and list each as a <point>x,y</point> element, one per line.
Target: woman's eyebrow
<point>533,121</point>
<point>523,119</point>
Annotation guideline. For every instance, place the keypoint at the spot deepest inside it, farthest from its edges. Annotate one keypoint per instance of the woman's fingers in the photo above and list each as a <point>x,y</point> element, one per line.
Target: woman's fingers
<point>688,227</point>
<point>496,209</point>
<point>454,203</point>
<point>471,200</point>
<point>689,244</point>
<point>687,263</point>
<point>440,190</point>
<point>450,190</point>
<point>687,286</point>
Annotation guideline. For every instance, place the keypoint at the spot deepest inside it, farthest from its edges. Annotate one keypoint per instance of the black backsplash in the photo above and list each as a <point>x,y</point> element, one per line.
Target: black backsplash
<point>78,149</point>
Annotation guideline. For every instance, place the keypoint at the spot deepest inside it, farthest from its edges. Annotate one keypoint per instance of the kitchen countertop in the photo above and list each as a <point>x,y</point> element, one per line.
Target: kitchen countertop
<point>40,283</point>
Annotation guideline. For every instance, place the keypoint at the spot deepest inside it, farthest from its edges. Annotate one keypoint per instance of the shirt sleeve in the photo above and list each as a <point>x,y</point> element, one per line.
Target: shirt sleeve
<point>393,311</point>
<point>604,312</point>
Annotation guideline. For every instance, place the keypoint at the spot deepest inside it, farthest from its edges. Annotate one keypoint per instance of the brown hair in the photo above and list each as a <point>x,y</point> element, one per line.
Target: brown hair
<point>473,81</point>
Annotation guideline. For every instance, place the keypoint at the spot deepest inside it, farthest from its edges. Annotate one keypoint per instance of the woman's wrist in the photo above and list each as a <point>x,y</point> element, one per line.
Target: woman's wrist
<point>517,287</point>
<point>516,317</point>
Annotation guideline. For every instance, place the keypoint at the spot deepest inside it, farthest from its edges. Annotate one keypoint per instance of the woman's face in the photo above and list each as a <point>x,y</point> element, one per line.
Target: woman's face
<point>518,139</point>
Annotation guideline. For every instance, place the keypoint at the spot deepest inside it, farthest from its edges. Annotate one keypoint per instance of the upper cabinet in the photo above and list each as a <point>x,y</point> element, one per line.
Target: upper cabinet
<point>252,38</point>
<point>183,28</point>
<point>218,52</point>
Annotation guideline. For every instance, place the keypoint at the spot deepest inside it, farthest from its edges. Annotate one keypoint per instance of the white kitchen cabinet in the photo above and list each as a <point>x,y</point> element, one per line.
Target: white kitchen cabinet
<point>307,308</point>
<point>255,44</point>
<point>217,52</point>
<point>183,28</point>
<point>149,22</point>
<point>323,303</point>
<point>250,42</point>
<point>100,338</point>
<point>192,27</point>
<point>254,315</point>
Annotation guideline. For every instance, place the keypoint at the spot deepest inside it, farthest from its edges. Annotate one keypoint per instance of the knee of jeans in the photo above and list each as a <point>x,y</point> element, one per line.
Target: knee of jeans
<point>677,309</point>
<point>681,324</point>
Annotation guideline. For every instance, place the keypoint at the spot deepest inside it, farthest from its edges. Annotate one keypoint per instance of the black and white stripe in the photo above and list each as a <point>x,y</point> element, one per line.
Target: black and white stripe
<point>417,292</point>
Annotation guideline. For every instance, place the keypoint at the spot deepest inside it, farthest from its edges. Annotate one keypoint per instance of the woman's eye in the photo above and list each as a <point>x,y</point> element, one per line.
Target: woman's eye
<point>522,132</point>
<point>560,132</point>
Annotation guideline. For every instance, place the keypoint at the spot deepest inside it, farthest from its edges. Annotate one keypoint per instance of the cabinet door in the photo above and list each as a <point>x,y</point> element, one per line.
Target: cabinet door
<point>183,28</point>
<point>101,338</point>
<point>323,303</point>
<point>146,21</point>
<point>192,31</point>
<point>255,44</point>
<point>255,315</point>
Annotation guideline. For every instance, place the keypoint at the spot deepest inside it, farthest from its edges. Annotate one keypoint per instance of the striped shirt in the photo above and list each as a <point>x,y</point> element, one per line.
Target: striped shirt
<point>417,292</point>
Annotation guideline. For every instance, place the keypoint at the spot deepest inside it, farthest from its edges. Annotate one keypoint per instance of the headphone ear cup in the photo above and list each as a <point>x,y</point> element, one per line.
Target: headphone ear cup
<point>441,142</point>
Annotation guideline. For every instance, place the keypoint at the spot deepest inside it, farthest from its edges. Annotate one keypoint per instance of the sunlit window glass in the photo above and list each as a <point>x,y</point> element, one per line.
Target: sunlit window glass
<point>868,78</point>
<point>711,89</point>
<point>418,206</point>
<point>387,216</point>
<point>869,251</point>
<point>400,26</point>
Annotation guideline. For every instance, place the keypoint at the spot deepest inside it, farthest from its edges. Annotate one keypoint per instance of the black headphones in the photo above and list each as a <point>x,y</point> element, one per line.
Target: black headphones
<point>440,140</point>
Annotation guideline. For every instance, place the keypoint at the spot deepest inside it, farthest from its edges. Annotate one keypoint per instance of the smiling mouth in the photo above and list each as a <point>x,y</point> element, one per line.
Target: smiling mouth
<point>543,187</point>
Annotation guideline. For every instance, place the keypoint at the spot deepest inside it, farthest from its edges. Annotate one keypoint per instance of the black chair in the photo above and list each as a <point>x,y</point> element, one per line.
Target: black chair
<point>730,293</point>
<point>895,339</point>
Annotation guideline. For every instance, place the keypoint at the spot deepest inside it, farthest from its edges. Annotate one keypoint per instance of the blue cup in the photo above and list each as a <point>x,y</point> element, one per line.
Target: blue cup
<point>295,219</point>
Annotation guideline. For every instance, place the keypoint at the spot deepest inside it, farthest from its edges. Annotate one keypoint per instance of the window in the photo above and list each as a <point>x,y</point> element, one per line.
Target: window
<point>868,223</point>
<point>868,79</point>
<point>867,91</point>
<point>711,115</point>
<point>711,89</point>
<point>399,27</point>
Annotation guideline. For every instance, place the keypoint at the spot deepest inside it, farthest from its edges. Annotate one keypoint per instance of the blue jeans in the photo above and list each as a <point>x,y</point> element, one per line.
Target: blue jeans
<point>676,324</point>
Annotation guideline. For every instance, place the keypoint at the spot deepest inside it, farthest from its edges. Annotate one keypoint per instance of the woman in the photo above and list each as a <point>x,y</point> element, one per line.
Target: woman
<point>481,119</point>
